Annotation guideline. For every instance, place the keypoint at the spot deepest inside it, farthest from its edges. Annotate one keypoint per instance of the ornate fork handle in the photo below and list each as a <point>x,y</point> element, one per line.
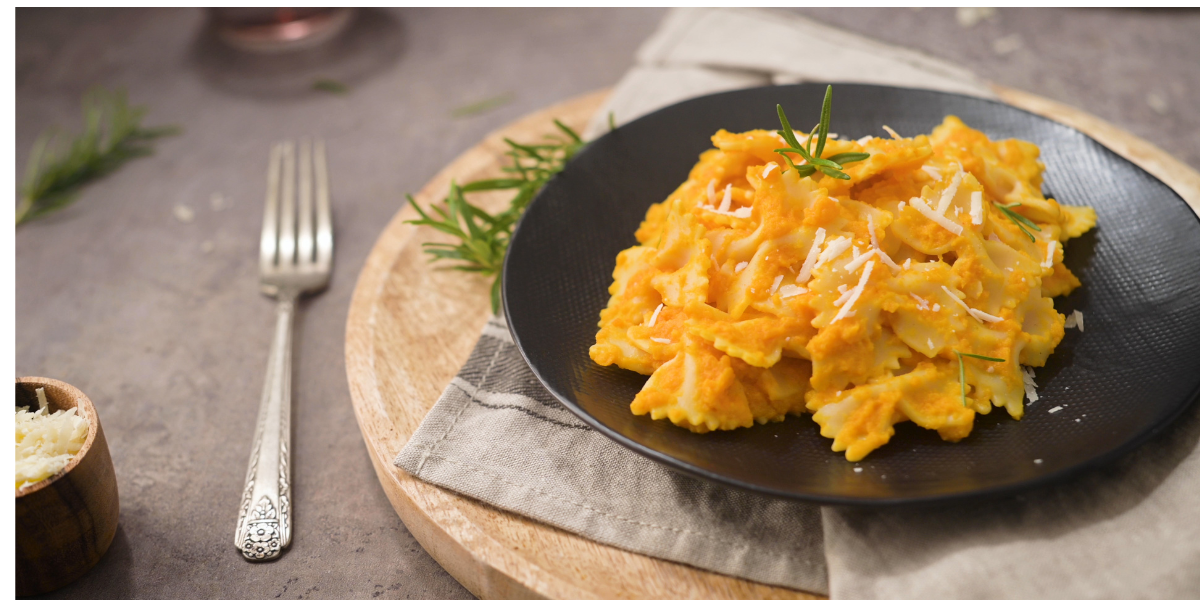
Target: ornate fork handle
<point>264,526</point>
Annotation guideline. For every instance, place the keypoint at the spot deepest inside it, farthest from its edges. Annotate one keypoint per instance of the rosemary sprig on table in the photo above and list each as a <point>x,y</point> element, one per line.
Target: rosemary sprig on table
<point>482,236</point>
<point>831,166</point>
<point>112,135</point>
<point>962,371</point>
<point>332,86</point>
<point>482,106</point>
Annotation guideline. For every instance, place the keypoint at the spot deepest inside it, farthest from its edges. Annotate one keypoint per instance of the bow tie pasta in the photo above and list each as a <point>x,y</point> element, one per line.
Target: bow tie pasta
<point>754,293</point>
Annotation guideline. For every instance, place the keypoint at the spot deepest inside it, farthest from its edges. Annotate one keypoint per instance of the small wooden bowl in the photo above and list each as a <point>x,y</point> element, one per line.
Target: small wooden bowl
<point>65,523</point>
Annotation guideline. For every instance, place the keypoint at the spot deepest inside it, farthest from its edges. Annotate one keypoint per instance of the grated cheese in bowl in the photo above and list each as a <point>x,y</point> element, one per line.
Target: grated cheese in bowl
<point>46,441</point>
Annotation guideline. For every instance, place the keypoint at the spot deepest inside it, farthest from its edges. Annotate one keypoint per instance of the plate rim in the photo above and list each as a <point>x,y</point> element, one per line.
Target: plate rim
<point>1059,476</point>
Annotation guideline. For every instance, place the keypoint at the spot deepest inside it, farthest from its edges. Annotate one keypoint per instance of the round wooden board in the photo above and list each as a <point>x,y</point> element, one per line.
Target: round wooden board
<point>410,328</point>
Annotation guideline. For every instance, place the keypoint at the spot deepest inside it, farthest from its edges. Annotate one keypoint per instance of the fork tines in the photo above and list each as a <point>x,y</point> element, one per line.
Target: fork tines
<point>297,234</point>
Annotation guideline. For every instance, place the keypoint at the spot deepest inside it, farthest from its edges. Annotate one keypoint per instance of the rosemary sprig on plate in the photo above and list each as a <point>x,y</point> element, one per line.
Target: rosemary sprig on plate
<point>482,236</point>
<point>831,166</point>
<point>112,135</point>
<point>962,371</point>
<point>1021,221</point>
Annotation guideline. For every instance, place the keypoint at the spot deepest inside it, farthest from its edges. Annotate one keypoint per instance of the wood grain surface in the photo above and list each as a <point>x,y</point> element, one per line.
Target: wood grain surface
<point>65,524</point>
<point>410,328</point>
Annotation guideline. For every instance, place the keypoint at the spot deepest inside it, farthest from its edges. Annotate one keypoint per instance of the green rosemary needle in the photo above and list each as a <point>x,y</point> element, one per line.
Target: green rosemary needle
<point>1021,221</point>
<point>831,166</point>
<point>962,371</point>
<point>112,135</point>
<point>482,237</point>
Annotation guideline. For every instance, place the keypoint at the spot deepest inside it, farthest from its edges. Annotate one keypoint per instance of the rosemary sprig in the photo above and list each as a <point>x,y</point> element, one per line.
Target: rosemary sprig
<point>962,372</point>
<point>1021,221</point>
<point>112,135</point>
<point>831,166</point>
<point>332,86</point>
<point>482,106</point>
<point>483,237</point>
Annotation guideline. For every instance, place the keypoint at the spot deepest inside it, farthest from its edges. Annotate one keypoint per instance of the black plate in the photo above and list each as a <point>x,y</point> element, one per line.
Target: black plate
<point>1136,367</point>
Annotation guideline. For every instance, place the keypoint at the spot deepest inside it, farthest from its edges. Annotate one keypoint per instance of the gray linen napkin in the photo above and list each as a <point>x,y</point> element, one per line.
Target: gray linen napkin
<point>497,435</point>
<point>1129,531</point>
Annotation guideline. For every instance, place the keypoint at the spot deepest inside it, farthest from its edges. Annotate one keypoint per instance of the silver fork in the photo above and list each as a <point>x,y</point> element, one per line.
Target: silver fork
<point>295,258</point>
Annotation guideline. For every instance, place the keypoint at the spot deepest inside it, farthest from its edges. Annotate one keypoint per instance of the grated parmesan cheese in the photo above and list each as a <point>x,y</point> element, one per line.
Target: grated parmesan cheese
<point>862,283</point>
<point>767,171</point>
<point>712,192</point>
<point>740,267</point>
<point>790,290</point>
<point>654,317</point>
<point>1054,410</point>
<point>834,249</point>
<point>862,141</point>
<point>775,284</point>
<point>974,312</point>
<point>1030,384</point>
<point>982,316</point>
<point>933,172</point>
<point>949,193</point>
<point>922,304</point>
<point>907,263</point>
<point>892,132</point>
<point>977,208</point>
<point>933,215</point>
<point>660,340</point>
<point>811,260</point>
<point>853,265</point>
<point>887,260</point>
<point>843,298</point>
<point>725,202</point>
<point>1050,248</point>
<point>1074,320</point>
<point>46,441</point>
<point>937,307</point>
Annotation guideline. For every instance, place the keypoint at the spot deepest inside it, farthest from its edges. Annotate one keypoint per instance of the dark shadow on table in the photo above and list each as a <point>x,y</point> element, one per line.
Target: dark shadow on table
<point>370,44</point>
<point>111,574</point>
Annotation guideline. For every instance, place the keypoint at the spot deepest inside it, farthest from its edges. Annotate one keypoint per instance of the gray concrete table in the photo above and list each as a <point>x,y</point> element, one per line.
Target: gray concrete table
<point>159,319</point>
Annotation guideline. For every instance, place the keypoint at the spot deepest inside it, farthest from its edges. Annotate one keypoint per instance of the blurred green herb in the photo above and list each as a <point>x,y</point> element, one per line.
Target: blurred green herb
<point>112,135</point>
<point>332,86</point>
<point>831,166</point>
<point>475,108</point>
<point>962,379</point>
<point>482,236</point>
<point>1021,221</point>
<point>612,121</point>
